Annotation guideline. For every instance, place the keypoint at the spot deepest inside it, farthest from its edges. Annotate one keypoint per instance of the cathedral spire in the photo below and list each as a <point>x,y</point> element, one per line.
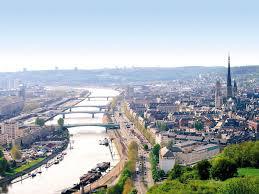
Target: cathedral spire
<point>229,85</point>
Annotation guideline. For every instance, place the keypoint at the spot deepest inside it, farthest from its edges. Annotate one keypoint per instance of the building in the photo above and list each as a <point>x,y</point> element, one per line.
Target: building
<point>235,88</point>
<point>3,139</point>
<point>218,96</point>
<point>166,159</point>
<point>186,153</point>
<point>10,106</point>
<point>192,155</point>
<point>229,84</point>
<point>11,131</point>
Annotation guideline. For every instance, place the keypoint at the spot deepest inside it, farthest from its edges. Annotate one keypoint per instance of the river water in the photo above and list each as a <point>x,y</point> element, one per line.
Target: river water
<point>83,154</point>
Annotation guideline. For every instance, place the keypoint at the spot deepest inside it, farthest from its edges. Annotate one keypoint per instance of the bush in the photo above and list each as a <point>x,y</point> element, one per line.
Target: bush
<point>203,169</point>
<point>145,146</point>
<point>192,187</point>
<point>4,166</point>
<point>157,174</point>
<point>244,155</point>
<point>176,172</point>
<point>189,175</point>
<point>223,168</point>
<point>249,185</point>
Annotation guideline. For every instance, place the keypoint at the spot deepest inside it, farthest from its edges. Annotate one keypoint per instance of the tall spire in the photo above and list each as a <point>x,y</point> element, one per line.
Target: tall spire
<point>229,85</point>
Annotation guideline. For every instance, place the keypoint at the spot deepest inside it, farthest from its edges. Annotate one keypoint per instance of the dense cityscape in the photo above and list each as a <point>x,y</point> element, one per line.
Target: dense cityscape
<point>159,129</point>
<point>129,97</point>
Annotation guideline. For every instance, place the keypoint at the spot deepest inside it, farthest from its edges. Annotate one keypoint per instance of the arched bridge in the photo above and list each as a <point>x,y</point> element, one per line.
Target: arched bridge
<point>74,112</point>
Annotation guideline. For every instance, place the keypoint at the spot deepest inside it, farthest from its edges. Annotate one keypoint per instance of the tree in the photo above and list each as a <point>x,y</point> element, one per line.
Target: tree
<point>156,149</point>
<point>4,166</point>
<point>39,121</point>
<point>176,172</point>
<point>203,168</point>
<point>61,122</point>
<point>16,153</point>
<point>223,168</point>
<point>241,185</point>
<point>145,146</point>
<point>134,191</point>
<point>127,186</point>
<point>1,152</point>
<point>198,125</point>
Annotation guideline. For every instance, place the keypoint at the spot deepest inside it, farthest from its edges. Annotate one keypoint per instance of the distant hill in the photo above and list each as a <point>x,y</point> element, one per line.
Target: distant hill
<point>126,75</point>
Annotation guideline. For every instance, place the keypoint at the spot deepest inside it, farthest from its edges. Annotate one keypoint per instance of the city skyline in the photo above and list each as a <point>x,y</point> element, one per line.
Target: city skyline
<point>99,34</point>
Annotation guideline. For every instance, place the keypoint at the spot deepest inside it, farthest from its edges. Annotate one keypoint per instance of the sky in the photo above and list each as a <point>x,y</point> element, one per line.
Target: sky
<point>44,34</point>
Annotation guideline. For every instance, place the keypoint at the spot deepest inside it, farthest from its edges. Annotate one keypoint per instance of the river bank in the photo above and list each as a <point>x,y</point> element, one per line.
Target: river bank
<point>83,153</point>
<point>8,179</point>
<point>111,177</point>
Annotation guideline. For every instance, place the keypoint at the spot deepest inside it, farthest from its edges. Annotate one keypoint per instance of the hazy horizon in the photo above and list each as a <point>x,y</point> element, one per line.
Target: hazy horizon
<point>108,34</point>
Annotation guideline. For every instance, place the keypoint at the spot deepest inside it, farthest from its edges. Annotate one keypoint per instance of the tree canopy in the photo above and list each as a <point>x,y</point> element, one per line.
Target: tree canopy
<point>39,121</point>
<point>61,122</point>
<point>16,153</point>
<point>203,169</point>
<point>223,168</point>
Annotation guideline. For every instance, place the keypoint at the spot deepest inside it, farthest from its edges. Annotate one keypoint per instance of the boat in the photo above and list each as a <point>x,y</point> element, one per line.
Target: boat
<point>56,162</point>
<point>104,142</point>
<point>33,175</point>
<point>103,166</point>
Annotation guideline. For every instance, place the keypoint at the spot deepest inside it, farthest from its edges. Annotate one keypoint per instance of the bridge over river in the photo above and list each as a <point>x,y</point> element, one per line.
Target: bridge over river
<point>76,112</point>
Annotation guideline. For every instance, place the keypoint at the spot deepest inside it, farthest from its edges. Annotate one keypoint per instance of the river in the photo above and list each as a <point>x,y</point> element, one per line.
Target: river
<point>84,155</point>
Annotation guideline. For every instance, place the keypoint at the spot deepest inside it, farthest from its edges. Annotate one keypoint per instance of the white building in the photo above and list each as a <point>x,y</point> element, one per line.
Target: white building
<point>166,159</point>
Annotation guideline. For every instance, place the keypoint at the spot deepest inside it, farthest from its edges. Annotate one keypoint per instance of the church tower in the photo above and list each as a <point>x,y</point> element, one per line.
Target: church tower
<point>218,96</point>
<point>235,88</point>
<point>229,85</point>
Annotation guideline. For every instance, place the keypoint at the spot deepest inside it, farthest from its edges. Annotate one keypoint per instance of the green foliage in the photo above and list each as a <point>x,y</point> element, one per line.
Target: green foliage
<point>39,121</point>
<point>203,169</point>
<point>61,122</point>
<point>134,191</point>
<point>244,155</point>
<point>116,189</point>
<point>156,150</point>
<point>223,168</point>
<point>189,175</point>
<point>246,185</point>
<point>144,131</point>
<point>127,186</point>
<point>157,174</point>
<point>145,146</point>
<point>16,153</point>
<point>198,125</point>
<point>27,165</point>
<point>162,126</point>
<point>176,172</point>
<point>1,152</point>
<point>248,172</point>
<point>192,187</point>
<point>184,180</point>
<point>4,166</point>
<point>125,180</point>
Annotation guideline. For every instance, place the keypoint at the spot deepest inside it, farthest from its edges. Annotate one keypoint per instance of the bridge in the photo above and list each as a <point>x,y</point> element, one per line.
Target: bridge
<point>74,112</point>
<point>106,125</point>
<point>96,97</point>
<point>86,106</point>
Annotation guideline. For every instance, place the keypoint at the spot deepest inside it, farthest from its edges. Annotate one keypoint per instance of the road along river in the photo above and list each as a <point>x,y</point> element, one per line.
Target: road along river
<point>83,154</point>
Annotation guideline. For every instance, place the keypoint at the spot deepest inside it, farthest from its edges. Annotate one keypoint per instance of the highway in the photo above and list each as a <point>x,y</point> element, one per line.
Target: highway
<point>143,179</point>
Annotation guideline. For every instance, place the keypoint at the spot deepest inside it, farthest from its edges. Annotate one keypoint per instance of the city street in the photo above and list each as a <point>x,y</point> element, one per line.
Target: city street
<point>143,178</point>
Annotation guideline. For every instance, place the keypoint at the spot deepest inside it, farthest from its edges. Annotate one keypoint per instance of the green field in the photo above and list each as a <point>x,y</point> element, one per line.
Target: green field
<point>28,165</point>
<point>248,172</point>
